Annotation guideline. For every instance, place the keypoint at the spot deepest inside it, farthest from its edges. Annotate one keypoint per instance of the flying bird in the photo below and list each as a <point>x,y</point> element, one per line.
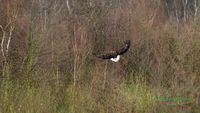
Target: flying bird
<point>115,55</point>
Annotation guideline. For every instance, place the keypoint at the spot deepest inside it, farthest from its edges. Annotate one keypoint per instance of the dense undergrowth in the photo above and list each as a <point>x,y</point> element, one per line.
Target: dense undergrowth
<point>48,65</point>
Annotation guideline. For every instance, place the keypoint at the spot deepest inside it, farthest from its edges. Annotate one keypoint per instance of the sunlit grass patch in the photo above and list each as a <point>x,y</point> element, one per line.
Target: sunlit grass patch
<point>138,95</point>
<point>79,100</point>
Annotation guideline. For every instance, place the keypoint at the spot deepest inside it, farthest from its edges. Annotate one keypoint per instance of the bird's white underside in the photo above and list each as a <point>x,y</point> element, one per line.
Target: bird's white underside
<point>115,59</point>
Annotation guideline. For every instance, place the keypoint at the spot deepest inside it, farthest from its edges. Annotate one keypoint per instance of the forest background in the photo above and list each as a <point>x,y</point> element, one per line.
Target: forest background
<point>47,63</point>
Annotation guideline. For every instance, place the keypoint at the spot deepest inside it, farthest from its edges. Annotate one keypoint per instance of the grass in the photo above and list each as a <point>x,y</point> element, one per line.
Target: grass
<point>44,97</point>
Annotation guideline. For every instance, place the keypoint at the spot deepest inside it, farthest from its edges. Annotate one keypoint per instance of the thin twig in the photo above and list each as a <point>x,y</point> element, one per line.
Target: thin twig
<point>105,74</point>
<point>2,42</point>
<point>9,39</point>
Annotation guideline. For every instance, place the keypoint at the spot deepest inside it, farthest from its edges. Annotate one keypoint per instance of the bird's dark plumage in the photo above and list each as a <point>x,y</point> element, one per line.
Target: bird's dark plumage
<point>124,49</point>
<point>115,53</point>
<point>107,56</point>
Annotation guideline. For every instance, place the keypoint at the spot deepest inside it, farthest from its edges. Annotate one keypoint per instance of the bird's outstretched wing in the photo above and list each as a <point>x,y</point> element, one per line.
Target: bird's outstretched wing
<point>115,53</point>
<point>124,49</point>
<point>107,56</point>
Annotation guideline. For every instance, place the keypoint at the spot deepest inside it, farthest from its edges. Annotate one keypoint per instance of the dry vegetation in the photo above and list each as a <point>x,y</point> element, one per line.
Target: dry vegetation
<point>47,66</point>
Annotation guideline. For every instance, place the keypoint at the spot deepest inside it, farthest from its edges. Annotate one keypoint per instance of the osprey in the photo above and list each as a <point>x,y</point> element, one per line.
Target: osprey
<point>115,55</point>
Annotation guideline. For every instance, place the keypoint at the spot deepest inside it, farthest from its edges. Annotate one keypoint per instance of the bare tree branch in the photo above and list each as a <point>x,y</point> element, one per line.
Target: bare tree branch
<point>9,39</point>
<point>2,42</point>
<point>68,7</point>
<point>196,8</point>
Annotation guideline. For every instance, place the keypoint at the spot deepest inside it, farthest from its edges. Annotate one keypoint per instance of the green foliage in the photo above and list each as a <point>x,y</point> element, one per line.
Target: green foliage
<point>31,53</point>
<point>139,95</point>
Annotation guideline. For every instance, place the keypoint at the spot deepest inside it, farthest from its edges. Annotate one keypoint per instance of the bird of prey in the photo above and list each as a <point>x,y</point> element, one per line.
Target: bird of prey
<point>115,55</point>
